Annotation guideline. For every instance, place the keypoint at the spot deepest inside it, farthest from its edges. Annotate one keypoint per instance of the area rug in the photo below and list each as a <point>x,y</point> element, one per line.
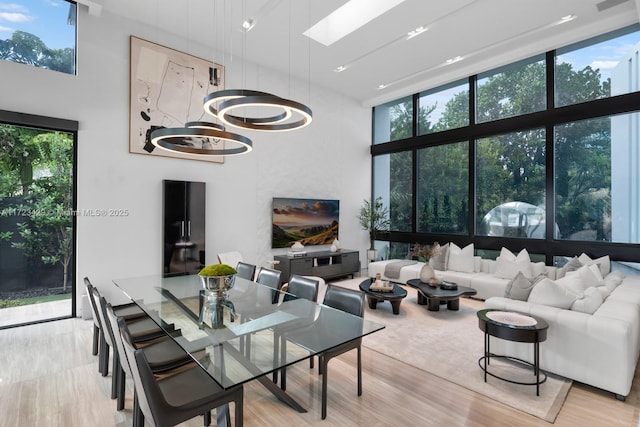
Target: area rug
<point>448,344</point>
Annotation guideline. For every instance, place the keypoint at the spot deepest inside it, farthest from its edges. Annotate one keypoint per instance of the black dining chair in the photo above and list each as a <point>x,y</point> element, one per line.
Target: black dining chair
<point>143,329</point>
<point>129,311</point>
<point>246,270</point>
<point>163,354</point>
<point>183,394</point>
<point>348,300</point>
<point>271,278</point>
<point>298,287</point>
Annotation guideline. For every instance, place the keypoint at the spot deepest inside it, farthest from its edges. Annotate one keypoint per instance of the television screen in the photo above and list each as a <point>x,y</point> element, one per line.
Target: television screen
<point>309,221</point>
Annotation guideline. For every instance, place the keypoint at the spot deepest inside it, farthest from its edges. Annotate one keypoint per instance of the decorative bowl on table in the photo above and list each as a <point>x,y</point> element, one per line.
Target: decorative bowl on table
<point>217,277</point>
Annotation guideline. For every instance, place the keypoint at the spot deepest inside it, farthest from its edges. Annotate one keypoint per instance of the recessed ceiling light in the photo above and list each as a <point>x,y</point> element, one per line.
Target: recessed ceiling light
<point>340,68</point>
<point>248,24</point>
<point>453,60</point>
<point>567,19</point>
<point>348,18</point>
<point>382,86</point>
<point>416,32</point>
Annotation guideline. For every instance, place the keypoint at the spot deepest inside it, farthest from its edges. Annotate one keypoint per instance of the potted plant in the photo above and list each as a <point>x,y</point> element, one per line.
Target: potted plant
<point>217,277</point>
<point>373,217</point>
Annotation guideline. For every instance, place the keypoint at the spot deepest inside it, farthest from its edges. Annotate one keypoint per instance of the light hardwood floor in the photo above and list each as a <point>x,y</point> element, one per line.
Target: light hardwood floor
<point>48,377</point>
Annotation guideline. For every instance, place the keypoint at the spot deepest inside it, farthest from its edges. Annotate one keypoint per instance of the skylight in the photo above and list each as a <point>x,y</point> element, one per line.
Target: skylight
<point>348,18</point>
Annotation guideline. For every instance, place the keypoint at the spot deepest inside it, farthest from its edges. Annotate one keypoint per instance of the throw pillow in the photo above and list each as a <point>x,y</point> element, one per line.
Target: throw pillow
<point>588,277</point>
<point>573,283</point>
<point>520,287</point>
<point>590,303</point>
<point>538,268</point>
<point>604,291</point>
<point>604,263</point>
<point>439,261</point>
<point>461,259</point>
<point>572,265</point>
<point>612,280</point>
<point>508,264</point>
<point>548,292</point>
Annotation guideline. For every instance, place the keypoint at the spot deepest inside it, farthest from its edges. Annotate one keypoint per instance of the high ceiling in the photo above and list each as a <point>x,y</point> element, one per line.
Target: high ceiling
<point>485,33</point>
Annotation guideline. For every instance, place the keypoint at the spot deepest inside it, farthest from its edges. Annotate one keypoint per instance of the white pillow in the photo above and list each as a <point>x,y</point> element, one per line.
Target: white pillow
<point>508,265</point>
<point>604,291</point>
<point>589,276</point>
<point>612,280</point>
<point>604,263</point>
<point>548,292</point>
<point>573,283</point>
<point>590,303</point>
<point>461,259</point>
<point>538,268</point>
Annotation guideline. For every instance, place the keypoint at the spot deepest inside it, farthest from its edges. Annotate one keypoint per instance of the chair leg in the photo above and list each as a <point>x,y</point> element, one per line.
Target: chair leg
<point>359,371</point>
<point>283,370</point>
<point>115,375</point>
<point>324,386</point>
<point>207,418</point>
<point>311,362</point>
<point>276,339</point>
<point>138,416</point>
<point>121,387</point>
<point>96,340</point>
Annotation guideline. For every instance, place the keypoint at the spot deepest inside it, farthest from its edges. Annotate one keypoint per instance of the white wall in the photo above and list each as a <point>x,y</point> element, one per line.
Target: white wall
<point>328,159</point>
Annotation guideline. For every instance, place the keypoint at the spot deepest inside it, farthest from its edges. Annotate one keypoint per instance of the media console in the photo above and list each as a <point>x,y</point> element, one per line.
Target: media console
<point>325,264</point>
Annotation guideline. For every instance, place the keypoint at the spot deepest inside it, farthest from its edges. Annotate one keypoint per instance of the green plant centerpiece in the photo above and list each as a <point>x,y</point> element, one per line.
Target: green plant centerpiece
<point>374,217</point>
<point>217,277</point>
<point>216,280</point>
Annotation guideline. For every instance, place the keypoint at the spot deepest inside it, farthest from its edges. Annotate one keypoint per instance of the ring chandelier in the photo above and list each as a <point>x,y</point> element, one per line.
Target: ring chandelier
<point>180,139</point>
<point>231,100</point>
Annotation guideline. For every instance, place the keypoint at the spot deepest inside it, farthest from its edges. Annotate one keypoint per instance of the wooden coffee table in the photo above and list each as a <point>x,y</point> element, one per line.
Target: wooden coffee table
<point>433,296</point>
<point>394,297</point>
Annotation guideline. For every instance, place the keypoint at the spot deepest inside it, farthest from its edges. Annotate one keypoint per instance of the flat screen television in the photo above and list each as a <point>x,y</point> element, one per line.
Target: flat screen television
<point>309,221</point>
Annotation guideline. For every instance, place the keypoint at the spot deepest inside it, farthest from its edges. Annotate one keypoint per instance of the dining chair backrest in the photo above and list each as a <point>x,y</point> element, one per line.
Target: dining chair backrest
<point>348,300</point>
<point>302,287</point>
<point>117,337</point>
<point>94,309</point>
<point>230,258</point>
<point>95,295</point>
<point>246,270</point>
<point>269,277</point>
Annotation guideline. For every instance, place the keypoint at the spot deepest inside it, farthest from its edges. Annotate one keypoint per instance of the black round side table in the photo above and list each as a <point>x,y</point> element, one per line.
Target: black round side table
<point>513,326</point>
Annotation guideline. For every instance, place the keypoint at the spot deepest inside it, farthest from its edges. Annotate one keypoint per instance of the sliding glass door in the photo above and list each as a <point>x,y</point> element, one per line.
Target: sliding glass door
<point>37,221</point>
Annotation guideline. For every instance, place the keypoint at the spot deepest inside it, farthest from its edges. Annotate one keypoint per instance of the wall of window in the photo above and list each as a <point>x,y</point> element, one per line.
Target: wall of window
<point>542,154</point>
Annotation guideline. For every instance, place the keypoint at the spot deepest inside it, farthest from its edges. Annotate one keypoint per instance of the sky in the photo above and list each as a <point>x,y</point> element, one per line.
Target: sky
<point>46,19</point>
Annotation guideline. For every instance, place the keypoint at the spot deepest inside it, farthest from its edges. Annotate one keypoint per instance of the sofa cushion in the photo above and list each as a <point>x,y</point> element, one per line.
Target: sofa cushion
<point>604,263</point>
<point>590,303</point>
<point>547,292</point>
<point>461,260</point>
<point>439,260</point>
<point>520,286</point>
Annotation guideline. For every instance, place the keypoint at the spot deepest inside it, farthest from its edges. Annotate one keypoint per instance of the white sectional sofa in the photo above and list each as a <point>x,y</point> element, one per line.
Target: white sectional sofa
<point>594,321</point>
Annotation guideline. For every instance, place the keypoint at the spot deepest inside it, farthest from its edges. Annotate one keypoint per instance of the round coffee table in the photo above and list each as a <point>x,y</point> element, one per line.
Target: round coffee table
<point>513,326</point>
<point>373,297</point>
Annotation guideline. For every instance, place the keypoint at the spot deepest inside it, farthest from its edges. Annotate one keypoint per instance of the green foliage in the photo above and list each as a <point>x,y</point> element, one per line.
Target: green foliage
<point>6,303</point>
<point>46,232</point>
<point>374,217</point>
<point>26,48</point>
<point>218,270</point>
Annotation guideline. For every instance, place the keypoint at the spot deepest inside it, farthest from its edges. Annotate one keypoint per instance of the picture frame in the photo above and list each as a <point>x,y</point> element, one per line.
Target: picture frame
<point>167,88</point>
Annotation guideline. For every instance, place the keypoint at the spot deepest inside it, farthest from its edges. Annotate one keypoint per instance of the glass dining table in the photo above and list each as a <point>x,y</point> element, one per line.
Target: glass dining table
<point>243,346</point>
